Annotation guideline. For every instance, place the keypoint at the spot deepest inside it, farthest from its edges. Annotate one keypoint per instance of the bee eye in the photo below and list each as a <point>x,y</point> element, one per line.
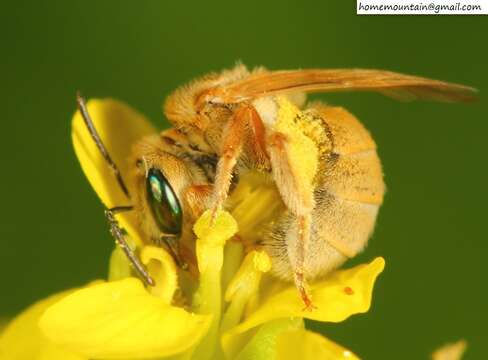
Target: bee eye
<point>163,202</point>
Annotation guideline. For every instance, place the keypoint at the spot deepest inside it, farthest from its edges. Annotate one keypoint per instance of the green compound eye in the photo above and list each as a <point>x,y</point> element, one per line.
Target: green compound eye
<point>163,202</point>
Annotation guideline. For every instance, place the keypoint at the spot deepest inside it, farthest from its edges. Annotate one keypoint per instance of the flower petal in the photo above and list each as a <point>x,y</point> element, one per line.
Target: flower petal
<point>307,345</point>
<point>23,340</point>
<point>55,352</point>
<point>340,295</point>
<point>453,351</point>
<point>262,345</point>
<point>119,127</point>
<point>119,320</point>
<point>4,321</point>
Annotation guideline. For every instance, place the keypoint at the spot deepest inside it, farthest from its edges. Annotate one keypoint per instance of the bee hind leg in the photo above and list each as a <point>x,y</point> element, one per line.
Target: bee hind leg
<point>296,192</point>
<point>303,222</point>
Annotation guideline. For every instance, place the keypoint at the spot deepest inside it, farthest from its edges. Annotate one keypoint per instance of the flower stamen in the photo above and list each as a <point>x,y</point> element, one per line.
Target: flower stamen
<point>243,289</point>
<point>211,238</point>
<point>162,269</point>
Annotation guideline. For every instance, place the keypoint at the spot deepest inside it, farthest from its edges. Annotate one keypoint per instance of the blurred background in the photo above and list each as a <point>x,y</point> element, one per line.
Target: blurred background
<point>431,229</point>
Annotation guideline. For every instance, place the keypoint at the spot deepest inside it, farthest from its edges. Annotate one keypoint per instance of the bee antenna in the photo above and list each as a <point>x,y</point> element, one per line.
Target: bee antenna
<point>96,138</point>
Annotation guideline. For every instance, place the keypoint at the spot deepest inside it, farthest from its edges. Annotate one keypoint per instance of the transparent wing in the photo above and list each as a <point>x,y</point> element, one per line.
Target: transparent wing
<point>395,85</point>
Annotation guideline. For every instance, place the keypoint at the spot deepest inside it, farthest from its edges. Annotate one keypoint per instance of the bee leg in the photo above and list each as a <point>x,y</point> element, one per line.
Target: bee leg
<point>198,198</point>
<point>297,194</point>
<point>233,140</point>
<point>120,240</point>
<point>304,222</point>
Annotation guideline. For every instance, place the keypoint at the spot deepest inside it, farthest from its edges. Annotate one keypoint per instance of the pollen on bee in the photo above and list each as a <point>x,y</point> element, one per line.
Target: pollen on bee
<point>348,290</point>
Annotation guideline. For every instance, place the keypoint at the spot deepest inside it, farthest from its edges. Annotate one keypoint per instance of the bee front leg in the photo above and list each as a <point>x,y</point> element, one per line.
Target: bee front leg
<point>233,139</point>
<point>198,198</point>
<point>296,190</point>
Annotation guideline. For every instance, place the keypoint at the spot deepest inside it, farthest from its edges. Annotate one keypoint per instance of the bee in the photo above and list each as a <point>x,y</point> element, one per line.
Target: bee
<point>320,158</point>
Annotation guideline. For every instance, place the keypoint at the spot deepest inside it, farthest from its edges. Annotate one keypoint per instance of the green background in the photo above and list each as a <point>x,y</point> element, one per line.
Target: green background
<point>431,229</point>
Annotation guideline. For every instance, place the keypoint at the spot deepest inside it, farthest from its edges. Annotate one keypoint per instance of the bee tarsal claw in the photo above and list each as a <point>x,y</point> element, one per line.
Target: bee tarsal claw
<point>307,301</point>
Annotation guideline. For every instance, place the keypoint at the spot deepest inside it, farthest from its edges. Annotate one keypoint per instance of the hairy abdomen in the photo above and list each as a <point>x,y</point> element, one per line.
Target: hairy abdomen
<point>348,191</point>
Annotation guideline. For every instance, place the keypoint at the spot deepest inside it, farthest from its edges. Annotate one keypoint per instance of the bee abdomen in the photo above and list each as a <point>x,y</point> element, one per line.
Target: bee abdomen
<point>346,133</point>
<point>350,187</point>
<point>351,170</point>
<point>348,192</point>
<point>314,126</point>
<point>356,177</point>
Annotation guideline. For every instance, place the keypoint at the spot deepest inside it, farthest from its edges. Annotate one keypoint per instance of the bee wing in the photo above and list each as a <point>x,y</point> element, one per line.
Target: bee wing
<point>395,85</point>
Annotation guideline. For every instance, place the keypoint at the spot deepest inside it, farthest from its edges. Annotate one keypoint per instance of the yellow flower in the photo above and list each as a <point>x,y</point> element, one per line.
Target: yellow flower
<point>452,351</point>
<point>234,311</point>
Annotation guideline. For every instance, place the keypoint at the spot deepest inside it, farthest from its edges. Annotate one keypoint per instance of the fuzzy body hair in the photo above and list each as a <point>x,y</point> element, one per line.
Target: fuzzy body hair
<point>347,183</point>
